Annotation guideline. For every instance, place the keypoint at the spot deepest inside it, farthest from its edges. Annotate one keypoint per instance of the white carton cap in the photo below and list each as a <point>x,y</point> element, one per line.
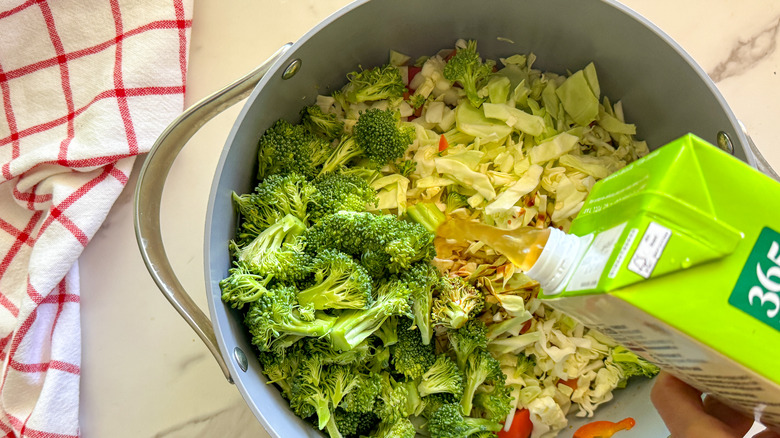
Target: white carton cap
<point>557,261</point>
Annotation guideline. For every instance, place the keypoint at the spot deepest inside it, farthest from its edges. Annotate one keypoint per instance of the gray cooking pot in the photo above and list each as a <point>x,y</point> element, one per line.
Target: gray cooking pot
<point>663,91</point>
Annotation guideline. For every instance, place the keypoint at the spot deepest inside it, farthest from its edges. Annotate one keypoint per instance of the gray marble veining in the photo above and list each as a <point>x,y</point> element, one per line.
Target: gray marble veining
<point>747,53</point>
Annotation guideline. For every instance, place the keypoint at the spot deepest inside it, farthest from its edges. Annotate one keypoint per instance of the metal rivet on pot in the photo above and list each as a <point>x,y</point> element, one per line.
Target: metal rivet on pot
<point>240,359</point>
<point>724,142</point>
<point>292,69</point>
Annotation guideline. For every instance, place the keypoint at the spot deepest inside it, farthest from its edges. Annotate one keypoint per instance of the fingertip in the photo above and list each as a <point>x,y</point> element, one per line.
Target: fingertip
<point>682,409</point>
<point>671,390</point>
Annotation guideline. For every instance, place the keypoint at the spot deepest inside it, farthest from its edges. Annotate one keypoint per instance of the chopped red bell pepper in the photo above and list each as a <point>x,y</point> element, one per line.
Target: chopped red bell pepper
<point>443,143</point>
<point>571,383</point>
<point>521,426</point>
<point>411,72</point>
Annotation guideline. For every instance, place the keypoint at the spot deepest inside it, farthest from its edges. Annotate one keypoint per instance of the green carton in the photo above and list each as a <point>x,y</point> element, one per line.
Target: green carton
<point>680,261</point>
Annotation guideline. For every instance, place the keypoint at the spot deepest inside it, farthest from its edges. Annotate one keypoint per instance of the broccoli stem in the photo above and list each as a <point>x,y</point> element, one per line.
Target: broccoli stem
<point>354,326</point>
<point>481,425</point>
<point>477,372</point>
<point>346,150</point>
<point>324,295</point>
<point>319,327</point>
<point>333,430</point>
<point>422,318</point>
<point>426,214</point>
<point>321,405</point>
<point>457,317</point>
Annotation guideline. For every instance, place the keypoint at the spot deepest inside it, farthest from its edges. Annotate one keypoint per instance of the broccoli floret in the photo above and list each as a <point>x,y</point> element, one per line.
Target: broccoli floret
<point>340,192</point>
<point>276,314</point>
<point>433,402</point>
<point>417,100</point>
<point>410,357</point>
<point>426,214</point>
<point>320,123</point>
<point>406,167</point>
<point>376,263</point>
<point>374,239</point>
<point>455,201</point>
<point>285,148</point>
<point>380,360</point>
<point>483,434</point>
<point>374,84</point>
<point>467,69</point>
<point>449,422</point>
<point>286,194</point>
<point>353,326</point>
<point>308,396</point>
<point>402,428</point>
<point>525,365</point>
<point>339,381</point>
<point>467,339</point>
<point>354,424</point>
<point>481,368</point>
<point>281,345</point>
<point>494,404</point>
<point>343,153</point>
<point>388,333</point>
<point>363,397</point>
<point>242,286</point>
<point>358,355</point>
<point>456,303</point>
<point>410,243</point>
<point>276,250</point>
<point>274,198</point>
<point>280,369</point>
<point>253,222</point>
<point>442,376</point>
<point>381,137</point>
<point>363,170</point>
<point>631,365</point>
<point>391,404</point>
<point>339,283</point>
<point>422,278</point>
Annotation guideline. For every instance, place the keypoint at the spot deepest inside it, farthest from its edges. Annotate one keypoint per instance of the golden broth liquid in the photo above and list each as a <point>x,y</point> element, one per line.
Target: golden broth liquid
<point>522,246</point>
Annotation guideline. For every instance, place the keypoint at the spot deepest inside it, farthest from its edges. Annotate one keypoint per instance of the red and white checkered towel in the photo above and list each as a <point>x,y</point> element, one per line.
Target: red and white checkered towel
<point>85,86</point>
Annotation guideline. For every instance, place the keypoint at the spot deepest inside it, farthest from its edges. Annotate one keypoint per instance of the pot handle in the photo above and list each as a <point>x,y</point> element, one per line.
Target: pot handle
<point>761,163</point>
<point>149,192</point>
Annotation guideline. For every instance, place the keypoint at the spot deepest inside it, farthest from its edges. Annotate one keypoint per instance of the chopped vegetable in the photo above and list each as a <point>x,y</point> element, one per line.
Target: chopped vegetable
<point>324,124</point>
<point>456,303</point>
<point>380,136</point>
<point>442,376</point>
<point>377,83</point>
<point>467,69</point>
<point>521,426</point>
<point>443,144</point>
<point>448,422</point>
<point>604,429</point>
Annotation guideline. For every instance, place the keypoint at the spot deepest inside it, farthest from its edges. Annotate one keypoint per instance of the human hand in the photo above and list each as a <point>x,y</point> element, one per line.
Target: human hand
<point>688,416</point>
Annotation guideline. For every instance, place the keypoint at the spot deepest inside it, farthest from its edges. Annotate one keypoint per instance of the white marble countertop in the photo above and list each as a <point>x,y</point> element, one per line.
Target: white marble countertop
<point>144,372</point>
